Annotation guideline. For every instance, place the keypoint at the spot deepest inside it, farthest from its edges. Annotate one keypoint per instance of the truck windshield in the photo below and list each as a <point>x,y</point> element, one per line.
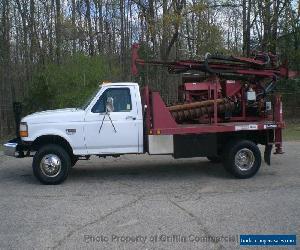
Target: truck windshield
<point>89,99</point>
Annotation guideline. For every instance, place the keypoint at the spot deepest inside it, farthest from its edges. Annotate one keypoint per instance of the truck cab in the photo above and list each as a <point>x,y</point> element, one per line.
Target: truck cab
<point>113,121</point>
<point>93,129</point>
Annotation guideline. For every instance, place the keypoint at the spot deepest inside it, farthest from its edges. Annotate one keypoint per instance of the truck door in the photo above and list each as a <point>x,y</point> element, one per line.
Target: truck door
<point>115,129</point>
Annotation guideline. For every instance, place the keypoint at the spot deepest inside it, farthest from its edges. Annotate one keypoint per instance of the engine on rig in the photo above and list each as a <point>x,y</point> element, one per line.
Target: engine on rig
<point>235,100</point>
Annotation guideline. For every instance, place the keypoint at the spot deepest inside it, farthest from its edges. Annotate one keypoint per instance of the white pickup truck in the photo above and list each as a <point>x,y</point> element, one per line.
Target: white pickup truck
<point>122,119</point>
<point>60,137</point>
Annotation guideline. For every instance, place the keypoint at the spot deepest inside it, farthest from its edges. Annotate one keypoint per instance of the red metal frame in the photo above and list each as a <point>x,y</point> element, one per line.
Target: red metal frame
<point>220,65</point>
<point>162,122</point>
<point>278,118</point>
<point>159,120</point>
<point>161,117</point>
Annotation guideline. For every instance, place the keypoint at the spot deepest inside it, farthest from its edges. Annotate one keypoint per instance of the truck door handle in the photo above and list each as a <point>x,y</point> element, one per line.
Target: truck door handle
<point>130,117</point>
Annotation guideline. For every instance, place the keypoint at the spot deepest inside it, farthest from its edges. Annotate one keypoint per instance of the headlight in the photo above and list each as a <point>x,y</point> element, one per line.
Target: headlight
<point>23,129</point>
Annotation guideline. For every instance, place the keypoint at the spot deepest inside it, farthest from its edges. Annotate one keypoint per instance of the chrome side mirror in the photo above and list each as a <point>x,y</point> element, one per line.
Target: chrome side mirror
<point>109,104</point>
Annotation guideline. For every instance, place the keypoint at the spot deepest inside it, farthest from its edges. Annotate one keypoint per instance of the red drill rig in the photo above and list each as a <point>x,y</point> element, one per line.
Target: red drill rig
<point>231,97</point>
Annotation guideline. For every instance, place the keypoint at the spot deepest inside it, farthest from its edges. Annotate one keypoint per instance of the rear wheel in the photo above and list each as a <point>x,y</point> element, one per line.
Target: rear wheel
<point>51,164</point>
<point>242,159</point>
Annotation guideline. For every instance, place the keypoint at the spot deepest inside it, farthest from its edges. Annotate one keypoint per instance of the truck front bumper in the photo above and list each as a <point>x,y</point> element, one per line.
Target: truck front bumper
<point>15,148</point>
<point>10,148</point>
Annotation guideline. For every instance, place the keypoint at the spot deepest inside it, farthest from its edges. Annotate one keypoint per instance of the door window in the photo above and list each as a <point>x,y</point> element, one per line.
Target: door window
<point>119,99</point>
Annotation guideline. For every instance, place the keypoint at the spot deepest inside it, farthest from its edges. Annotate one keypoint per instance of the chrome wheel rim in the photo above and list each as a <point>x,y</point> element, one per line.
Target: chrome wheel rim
<point>50,165</point>
<point>244,159</point>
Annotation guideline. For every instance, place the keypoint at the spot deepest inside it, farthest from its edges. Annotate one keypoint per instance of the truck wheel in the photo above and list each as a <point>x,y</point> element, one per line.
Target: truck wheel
<point>214,159</point>
<point>51,164</point>
<point>242,159</point>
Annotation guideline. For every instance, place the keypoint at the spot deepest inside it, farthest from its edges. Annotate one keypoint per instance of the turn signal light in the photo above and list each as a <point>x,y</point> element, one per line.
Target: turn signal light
<point>23,129</point>
<point>23,133</point>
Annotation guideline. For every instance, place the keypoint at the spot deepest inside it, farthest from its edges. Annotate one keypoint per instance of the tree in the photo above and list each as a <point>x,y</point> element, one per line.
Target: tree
<point>58,31</point>
<point>88,17</point>
<point>247,4</point>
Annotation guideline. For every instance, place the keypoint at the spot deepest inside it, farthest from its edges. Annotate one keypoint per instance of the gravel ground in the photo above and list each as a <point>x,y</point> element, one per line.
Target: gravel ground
<point>143,202</point>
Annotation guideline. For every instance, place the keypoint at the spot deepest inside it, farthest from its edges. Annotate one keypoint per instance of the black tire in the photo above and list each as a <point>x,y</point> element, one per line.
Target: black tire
<point>214,159</point>
<point>54,153</point>
<point>242,158</point>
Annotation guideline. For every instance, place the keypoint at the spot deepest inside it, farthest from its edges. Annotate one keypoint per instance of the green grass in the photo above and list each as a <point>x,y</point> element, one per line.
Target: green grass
<point>292,131</point>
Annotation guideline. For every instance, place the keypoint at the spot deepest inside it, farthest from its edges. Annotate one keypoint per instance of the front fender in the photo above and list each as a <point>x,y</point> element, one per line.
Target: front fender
<point>76,139</point>
<point>33,136</point>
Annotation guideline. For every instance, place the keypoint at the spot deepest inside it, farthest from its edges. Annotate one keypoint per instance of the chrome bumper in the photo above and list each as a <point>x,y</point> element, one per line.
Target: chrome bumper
<point>10,149</point>
<point>16,148</point>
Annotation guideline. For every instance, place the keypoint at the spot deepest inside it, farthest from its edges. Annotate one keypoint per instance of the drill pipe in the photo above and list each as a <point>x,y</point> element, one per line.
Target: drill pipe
<point>195,110</point>
<point>192,105</point>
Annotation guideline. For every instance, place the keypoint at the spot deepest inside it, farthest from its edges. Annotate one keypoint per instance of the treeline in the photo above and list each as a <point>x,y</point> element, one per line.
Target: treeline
<point>54,52</point>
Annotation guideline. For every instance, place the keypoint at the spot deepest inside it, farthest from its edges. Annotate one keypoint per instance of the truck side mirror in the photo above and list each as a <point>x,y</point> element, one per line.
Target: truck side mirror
<point>110,104</point>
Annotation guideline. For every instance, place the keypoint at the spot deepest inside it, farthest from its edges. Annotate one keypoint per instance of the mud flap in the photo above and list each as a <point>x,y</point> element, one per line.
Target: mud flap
<point>267,154</point>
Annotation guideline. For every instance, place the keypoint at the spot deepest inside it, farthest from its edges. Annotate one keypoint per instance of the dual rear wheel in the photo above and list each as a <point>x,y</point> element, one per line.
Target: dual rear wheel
<point>241,158</point>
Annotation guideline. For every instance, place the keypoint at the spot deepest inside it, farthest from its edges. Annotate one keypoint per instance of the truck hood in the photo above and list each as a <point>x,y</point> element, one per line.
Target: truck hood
<point>55,116</point>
